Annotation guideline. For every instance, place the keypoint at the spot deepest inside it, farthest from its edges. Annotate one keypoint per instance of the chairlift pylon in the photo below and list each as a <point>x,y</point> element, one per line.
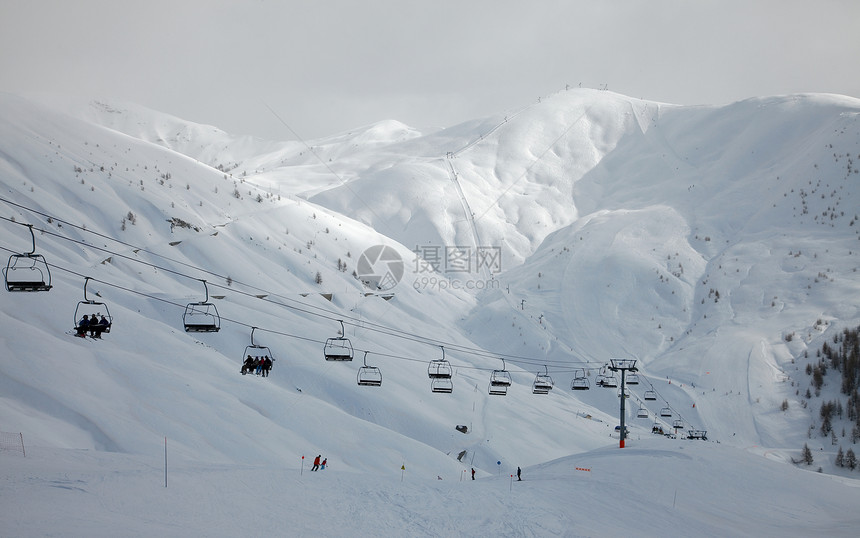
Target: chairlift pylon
<point>95,310</point>
<point>201,317</point>
<point>27,271</point>
<point>338,348</point>
<point>369,376</point>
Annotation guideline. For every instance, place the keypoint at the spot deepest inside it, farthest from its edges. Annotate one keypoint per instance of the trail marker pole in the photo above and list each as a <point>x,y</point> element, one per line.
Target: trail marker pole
<point>302,471</point>
<point>499,463</point>
<point>622,365</point>
<point>402,471</point>
<point>165,461</point>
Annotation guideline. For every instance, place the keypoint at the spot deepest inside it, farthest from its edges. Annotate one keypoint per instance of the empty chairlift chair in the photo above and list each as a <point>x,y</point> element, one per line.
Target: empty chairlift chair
<point>27,271</point>
<point>338,348</point>
<point>543,382</point>
<point>369,376</point>
<point>202,317</point>
<point>642,413</point>
<point>96,311</point>
<point>441,385</point>
<point>440,372</point>
<point>500,380</point>
<point>631,379</point>
<point>580,380</point>
<point>610,381</point>
<point>666,412</point>
<point>650,395</point>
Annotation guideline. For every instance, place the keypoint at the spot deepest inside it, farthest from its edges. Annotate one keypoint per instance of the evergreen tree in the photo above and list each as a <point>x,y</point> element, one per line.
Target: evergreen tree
<point>850,459</point>
<point>840,458</point>
<point>826,427</point>
<point>807,454</point>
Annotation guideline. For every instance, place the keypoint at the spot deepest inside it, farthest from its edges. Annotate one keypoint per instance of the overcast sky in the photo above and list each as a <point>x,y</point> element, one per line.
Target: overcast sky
<point>325,66</point>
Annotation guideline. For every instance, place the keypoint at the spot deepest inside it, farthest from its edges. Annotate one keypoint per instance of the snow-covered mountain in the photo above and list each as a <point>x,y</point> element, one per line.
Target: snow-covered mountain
<point>718,246</point>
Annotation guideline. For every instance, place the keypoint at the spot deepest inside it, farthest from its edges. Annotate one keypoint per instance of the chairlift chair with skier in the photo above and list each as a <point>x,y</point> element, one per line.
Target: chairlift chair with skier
<point>97,310</point>
<point>256,351</point>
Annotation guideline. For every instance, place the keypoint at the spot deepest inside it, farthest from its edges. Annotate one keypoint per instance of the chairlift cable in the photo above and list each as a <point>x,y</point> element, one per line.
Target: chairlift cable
<point>352,321</point>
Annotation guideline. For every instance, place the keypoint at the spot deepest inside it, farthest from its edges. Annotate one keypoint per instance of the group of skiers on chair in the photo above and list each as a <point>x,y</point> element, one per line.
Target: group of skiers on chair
<point>258,365</point>
<point>94,325</point>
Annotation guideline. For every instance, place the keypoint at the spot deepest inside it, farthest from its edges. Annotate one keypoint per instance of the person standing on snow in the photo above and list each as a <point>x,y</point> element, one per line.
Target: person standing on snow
<point>473,473</point>
<point>316,463</point>
<point>324,462</point>
<point>519,472</point>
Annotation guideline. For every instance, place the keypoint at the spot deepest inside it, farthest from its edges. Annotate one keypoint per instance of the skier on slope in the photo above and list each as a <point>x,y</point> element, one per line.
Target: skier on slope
<point>316,463</point>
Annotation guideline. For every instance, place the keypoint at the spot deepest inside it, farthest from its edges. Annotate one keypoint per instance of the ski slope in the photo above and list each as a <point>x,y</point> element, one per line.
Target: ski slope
<point>693,239</point>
